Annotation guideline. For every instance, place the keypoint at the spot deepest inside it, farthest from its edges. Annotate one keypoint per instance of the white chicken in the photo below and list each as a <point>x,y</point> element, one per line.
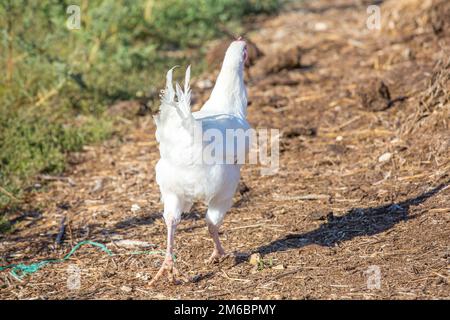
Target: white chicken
<point>182,174</point>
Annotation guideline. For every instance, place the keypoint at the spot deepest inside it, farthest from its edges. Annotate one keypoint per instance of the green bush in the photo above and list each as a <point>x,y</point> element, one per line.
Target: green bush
<point>57,82</point>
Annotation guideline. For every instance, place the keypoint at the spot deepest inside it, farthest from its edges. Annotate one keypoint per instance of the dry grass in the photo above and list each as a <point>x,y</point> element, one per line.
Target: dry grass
<point>331,212</point>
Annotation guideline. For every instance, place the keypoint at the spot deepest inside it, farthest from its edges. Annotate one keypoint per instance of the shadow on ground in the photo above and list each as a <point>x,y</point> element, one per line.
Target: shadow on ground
<point>355,223</point>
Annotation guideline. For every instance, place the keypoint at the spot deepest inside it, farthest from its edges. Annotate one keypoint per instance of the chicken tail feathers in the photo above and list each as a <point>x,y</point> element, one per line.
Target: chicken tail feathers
<point>168,94</point>
<point>175,122</point>
<point>175,104</point>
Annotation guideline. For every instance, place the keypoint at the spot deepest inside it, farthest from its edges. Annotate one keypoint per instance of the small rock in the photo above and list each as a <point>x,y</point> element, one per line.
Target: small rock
<point>320,26</point>
<point>385,157</point>
<point>126,289</point>
<point>278,267</point>
<point>135,207</point>
<point>339,138</point>
<point>255,259</point>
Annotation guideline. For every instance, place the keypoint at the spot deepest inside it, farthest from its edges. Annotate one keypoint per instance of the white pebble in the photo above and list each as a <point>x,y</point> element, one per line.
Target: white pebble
<point>135,207</point>
<point>320,26</point>
<point>385,157</point>
<point>126,289</point>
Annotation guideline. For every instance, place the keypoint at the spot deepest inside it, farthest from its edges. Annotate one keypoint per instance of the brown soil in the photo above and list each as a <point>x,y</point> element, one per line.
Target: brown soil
<point>331,213</point>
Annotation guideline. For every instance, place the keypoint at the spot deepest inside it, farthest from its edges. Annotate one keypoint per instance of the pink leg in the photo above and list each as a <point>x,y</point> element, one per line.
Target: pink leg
<point>168,264</point>
<point>218,251</point>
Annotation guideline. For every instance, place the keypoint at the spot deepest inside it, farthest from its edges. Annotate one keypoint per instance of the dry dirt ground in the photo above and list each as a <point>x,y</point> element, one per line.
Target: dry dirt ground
<point>319,228</point>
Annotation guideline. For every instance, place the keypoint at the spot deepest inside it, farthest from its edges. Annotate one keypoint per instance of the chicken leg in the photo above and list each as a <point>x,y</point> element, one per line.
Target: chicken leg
<point>168,264</point>
<point>218,252</point>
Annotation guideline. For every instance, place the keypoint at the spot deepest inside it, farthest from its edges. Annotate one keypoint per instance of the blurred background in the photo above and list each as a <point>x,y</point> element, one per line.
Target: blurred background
<point>358,89</point>
<point>58,82</point>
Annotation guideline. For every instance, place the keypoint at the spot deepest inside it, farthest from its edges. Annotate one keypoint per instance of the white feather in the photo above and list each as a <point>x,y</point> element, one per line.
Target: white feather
<point>182,178</point>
